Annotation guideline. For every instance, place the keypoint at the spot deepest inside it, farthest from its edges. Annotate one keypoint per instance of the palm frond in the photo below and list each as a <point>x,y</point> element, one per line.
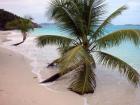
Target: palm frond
<point>73,67</point>
<point>52,39</point>
<point>77,16</point>
<point>64,13</point>
<point>91,14</point>
<point>115,38</point>
<point>107,21</point>
<point>64,49</point>
<point>84,79</point>
<point>74,56</point>
<point>117,64</point>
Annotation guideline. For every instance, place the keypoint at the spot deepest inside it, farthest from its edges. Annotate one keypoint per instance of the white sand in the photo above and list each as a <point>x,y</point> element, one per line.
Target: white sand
<point>112,89</point>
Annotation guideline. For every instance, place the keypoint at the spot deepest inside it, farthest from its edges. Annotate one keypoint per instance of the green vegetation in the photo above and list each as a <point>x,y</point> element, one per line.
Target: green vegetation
<point>6,17</point>
<point>24,25</point>
<point>84,20</point>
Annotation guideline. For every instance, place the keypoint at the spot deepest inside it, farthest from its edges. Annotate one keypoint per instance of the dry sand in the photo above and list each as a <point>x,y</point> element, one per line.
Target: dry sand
<point>18,86</point>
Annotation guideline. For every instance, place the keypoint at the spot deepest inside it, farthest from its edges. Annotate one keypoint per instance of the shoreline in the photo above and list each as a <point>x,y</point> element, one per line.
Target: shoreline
<point>22,87</point>
<point>13,48</point>
<point>25,84</point>
<point>111,87</point>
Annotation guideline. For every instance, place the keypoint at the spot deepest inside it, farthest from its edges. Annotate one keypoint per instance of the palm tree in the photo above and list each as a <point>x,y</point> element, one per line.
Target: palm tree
<point>84,21</point>
<point>24,25</point>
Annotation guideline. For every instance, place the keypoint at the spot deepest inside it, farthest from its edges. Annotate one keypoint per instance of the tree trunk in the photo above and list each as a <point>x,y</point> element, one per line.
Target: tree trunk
<point>24,34</point>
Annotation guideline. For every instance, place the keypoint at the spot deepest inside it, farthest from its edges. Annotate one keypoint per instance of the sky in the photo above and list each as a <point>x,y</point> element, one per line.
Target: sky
<point>37,9</point>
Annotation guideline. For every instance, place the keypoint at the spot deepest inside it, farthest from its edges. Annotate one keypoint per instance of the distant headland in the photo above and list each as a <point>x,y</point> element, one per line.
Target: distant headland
<point>6,17</point>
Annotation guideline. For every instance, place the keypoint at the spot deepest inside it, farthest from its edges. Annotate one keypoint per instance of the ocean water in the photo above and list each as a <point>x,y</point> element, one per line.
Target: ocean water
<point>126,51</point>
<point>49,29</point>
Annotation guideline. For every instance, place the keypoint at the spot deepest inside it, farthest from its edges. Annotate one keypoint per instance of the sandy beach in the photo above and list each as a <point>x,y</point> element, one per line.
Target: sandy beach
<point>18,85</point>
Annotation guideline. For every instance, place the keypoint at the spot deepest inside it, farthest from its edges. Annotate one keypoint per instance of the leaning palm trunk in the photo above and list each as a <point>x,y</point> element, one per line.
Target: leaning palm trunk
<point>24,34</point>
<point>24,25</point>
<point>83,19</point>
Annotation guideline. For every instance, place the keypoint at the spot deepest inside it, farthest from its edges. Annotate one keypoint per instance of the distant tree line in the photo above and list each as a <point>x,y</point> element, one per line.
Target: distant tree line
<point>6,17</point>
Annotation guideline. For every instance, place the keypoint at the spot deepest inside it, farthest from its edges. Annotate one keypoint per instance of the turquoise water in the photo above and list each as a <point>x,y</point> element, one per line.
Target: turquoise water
<point>126,51</point>
<point>49,29</point>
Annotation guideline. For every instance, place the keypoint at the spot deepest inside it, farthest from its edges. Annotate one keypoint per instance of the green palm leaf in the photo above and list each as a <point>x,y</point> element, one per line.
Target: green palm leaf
<point>108,20</point>
<point>84,79</point>
<point>115,38</point>
<point>52,39</point>
<point>64,15</point>
<point>64,49</point>
<point>77,16</point>
<point>74,56</point>
<point>115,63</point>
<point>73,67</point>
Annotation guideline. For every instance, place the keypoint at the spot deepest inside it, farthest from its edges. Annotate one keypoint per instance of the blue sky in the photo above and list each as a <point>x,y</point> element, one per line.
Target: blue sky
<point>37,9</point>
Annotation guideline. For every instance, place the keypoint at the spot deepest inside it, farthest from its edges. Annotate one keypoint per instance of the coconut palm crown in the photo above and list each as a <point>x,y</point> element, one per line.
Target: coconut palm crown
<point>24,25</point>
<point>83,19</point>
